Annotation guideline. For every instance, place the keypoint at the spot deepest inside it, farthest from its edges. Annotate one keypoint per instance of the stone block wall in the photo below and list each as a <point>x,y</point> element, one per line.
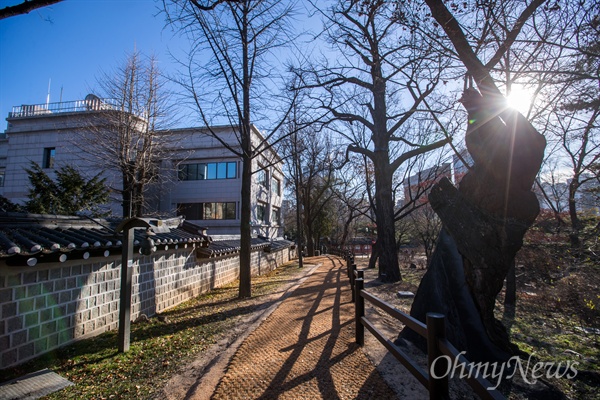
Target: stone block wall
<point>50,305</point>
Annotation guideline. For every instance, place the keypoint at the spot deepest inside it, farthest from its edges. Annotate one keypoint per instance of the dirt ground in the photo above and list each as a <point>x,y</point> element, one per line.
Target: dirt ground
<point>200,379</point>
<point>396,375</point>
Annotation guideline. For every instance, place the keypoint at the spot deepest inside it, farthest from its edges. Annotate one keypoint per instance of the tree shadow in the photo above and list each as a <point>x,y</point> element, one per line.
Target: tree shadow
<point>330,286</point>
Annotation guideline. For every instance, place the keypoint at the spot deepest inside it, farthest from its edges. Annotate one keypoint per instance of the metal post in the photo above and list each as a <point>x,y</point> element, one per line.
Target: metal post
<point>125,296</point>
<point>436,330</point>
<point>128,226</point>
<point>359,309</point>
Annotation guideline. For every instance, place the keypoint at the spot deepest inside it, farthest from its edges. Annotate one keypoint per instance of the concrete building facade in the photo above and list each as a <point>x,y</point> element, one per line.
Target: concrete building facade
<point>200,177</point>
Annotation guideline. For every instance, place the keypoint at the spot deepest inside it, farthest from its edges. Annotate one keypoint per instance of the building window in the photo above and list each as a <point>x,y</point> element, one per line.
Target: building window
<point>49,154</point>
<point>261,213</point>
<point>1,178</point>
<point>261,177</point>
<point>276,186</point>
<point>191,211</point>
<point>202,171</point>
<point>231,170</point>
<point>275,215</point>
<point>198,211</point>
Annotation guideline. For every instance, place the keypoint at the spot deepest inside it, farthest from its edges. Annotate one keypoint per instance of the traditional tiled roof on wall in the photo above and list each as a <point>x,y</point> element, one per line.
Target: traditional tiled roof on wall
<point>26,239</point>
<point>227,247</point>
<point>279,244</point>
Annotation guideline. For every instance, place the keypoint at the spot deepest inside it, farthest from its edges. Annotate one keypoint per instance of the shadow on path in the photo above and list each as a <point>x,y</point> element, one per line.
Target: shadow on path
<point>305,348</point>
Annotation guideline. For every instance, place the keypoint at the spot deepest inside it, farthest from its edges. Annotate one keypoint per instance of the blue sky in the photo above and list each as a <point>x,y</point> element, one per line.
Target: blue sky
<point>71,43</point>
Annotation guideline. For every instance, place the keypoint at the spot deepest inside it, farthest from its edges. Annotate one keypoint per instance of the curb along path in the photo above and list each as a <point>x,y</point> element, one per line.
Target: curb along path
<point>305,349</point>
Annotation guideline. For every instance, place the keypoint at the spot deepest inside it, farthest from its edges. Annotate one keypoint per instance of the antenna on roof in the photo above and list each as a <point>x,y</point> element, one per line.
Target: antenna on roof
<point>48,97</point>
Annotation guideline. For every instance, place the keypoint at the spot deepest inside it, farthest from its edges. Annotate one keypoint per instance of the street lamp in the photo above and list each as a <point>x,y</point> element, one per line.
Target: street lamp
<point>152,226</point>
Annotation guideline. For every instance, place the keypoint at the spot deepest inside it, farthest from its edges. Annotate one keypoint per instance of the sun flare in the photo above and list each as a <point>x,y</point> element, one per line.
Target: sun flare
<point>519,99</point>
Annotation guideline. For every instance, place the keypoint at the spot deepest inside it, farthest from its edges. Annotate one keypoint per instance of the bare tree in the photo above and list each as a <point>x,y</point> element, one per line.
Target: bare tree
<point>230,79</point>
<point>318,181</point>
<point>25,7</point>
<point>379,83</point>
<point>423,223</point>
<point>554,190</point>
<point>313,174</point>
<point>426,227</point>
<point>575,113</point>
<point>127,133</point>
<point>352,197</point>
<point>486,218</point>
<point>556,56</point>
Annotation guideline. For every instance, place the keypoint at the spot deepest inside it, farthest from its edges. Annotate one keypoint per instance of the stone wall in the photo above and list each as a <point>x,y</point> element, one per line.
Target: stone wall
<point>53,304</point>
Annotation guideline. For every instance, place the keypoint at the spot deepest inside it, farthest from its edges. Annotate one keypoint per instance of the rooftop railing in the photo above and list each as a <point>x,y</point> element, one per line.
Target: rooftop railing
<point>89,104</point>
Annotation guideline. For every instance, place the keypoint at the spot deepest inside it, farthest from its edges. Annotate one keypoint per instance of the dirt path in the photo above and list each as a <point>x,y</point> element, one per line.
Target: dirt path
<point>304,349</point>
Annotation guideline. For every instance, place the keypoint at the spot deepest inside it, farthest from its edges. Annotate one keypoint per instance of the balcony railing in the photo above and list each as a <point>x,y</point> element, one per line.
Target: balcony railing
<point>89,104</point>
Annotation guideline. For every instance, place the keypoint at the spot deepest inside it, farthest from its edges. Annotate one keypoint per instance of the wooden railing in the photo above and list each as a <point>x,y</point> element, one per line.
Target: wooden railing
<point>437,344</point>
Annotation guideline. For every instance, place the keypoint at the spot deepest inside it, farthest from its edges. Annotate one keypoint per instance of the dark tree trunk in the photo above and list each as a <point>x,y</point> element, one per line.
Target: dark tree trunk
<point>346,230</point>
<point>484,224</point>
<point>510,295</point>
<point>138,200</point>
<point>127,192</point>
<point>374,256</point>
<point>245,288</point>
<point>308,229</point>
<point>298,202</point>
<point>444,290</point>
<point>486,218</point>
<point>389,268</point>
<point>575,223</point>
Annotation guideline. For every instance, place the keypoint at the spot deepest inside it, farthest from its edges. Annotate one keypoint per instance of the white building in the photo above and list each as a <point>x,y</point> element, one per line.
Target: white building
<point>202,177</point>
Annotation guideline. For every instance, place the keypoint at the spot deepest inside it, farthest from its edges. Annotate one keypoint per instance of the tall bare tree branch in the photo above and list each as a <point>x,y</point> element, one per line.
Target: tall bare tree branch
<point>25,7</point>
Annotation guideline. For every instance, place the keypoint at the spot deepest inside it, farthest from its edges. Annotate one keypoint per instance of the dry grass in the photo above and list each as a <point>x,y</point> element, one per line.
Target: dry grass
<point>557,317</point>
<point>160,347</point>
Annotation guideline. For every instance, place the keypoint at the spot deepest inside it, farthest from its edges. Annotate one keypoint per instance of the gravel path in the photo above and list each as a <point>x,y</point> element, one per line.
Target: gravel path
<point>305,348</point>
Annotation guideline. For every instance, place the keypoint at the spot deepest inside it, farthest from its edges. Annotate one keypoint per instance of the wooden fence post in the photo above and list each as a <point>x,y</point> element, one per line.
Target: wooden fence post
<point>352,279</point>
<point>359,308</point>
<point>436,330</point>
<point>348,265</point>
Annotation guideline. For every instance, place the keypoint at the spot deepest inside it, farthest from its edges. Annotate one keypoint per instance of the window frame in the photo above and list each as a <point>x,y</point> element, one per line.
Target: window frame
<point>204,171</point>
<point>219,210</point>
<point>49,157</point>
<point>262,177</point>
<point>277,186</point>
<point>276,215</point>
<point>261,208</point>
